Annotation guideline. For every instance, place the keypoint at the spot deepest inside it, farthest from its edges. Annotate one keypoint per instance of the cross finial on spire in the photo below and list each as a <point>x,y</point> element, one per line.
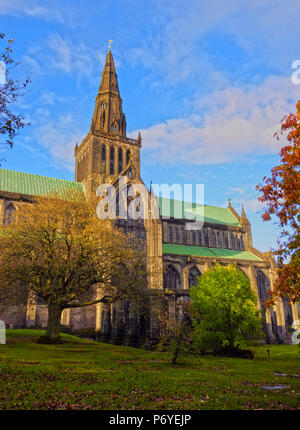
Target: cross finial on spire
<point>109,44</point>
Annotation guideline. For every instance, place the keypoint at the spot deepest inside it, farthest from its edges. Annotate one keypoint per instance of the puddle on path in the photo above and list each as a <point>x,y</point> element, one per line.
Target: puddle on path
<point>274,387</point>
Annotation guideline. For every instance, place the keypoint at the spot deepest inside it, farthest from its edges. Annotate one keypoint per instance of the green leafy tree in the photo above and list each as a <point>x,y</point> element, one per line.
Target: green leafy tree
<point>225,310</point>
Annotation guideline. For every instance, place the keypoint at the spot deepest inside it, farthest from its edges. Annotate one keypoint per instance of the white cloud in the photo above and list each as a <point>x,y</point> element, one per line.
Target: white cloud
<point>174,48</point>
<point>228,125</point>
<point>62,55</point>
<point>253,206</point>
<point>59,138</point>
<point>33,8</point>
<point>238,190</point>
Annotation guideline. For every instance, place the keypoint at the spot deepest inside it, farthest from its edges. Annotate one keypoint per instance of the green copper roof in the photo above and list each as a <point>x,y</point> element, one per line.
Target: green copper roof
<point>186,210</point>
<point>169,248</point>
<point>34,185</point>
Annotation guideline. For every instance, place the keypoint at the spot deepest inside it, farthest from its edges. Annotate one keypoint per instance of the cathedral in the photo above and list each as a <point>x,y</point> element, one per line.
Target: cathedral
<point>176,255</point>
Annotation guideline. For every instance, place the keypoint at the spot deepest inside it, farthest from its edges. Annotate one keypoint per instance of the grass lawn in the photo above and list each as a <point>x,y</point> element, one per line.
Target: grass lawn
<point>82,374</point>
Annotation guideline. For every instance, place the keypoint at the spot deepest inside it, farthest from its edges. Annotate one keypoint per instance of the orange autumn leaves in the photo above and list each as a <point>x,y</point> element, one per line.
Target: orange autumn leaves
<point>281,195</point>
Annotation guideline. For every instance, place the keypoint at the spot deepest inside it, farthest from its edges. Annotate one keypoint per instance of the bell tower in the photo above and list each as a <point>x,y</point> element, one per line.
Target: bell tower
<point>106,151</point>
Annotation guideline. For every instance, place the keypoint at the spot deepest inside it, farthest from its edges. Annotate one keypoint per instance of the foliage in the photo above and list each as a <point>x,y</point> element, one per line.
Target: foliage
<point>281,194</point>
<point>58,250</point>
<point>10,90</point>
<point>225,309</point>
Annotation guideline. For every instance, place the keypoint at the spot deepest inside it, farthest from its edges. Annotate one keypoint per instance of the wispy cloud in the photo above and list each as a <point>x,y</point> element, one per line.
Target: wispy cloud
<point>59,138</point>
<point>174,49</point>
<point>32,8</point>
<point>57,54</point>
<point>253,206</point>
<point>229,125</point>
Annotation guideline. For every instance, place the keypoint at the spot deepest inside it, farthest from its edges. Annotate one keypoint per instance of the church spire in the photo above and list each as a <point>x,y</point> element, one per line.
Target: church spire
<point>108,114</point>
<point>244,219</point>
<point>109,80</point>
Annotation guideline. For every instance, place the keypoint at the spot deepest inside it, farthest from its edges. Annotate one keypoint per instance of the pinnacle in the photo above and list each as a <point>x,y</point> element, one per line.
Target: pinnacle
<point>109,80</point>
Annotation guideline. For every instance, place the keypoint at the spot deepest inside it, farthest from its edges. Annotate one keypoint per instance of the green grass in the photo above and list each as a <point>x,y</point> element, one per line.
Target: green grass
<point>82,374</point>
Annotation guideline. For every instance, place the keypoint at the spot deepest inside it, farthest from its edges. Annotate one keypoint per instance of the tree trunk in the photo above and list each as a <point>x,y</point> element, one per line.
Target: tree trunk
<point>53,326</point>
<point>174,359</point>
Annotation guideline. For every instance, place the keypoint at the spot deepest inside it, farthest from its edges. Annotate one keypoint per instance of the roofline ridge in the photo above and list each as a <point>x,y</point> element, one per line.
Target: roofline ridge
<point>40,176</point>
<point>194,203</point>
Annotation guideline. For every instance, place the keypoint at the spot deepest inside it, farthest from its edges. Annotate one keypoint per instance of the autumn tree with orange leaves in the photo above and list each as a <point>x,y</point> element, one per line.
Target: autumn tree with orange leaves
<point>281,194</point>
<point>59,251</point>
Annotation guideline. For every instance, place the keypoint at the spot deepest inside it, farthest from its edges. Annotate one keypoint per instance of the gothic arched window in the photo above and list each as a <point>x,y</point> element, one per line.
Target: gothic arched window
<point>114,127</point>
<point>226,242</point>
<point>176,235</point>
<point>171,278</point>
<point>103,159</point>
<point>194,237</point>
<point>263,286</point>
<point>120,160</point>
<point>219,240</point>
<point>205,237</point>
<point>185,236</point>
<point>200,238</point>
<point>213,239</point>
<point>232,237</point>
<point>9,214</point>
<point>193,276</point>
<point>102,116</point>
<point>241,242</point>
<point>128,155</point>
<point>170,234</point>
<point>112,161</point>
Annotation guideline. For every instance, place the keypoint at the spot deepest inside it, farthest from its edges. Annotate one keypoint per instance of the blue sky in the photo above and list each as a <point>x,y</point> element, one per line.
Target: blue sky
<point>206,83</point>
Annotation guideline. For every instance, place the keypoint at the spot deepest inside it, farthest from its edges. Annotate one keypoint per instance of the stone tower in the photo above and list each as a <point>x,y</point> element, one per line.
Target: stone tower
<point>106,151</point>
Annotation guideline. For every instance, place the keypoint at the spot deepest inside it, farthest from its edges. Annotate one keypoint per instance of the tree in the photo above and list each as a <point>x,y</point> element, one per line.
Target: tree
<point>10,90</point>
<point>177,337</point>
<point>281,194</point>
<point>224,310</point>
<point>58,250</point>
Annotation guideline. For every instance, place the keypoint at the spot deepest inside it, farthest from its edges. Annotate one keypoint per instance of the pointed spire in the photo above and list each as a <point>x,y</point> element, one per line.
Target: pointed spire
<point>139,139</point>
<point>108,114</point>
<point>109,80</point>
<point>244,218</point>
<point>243,212</point>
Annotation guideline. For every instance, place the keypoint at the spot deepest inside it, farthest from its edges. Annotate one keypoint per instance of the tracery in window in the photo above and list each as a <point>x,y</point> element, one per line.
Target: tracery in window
<point>112,161</point>
<point>103,159</point>
<point>120,160</point>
